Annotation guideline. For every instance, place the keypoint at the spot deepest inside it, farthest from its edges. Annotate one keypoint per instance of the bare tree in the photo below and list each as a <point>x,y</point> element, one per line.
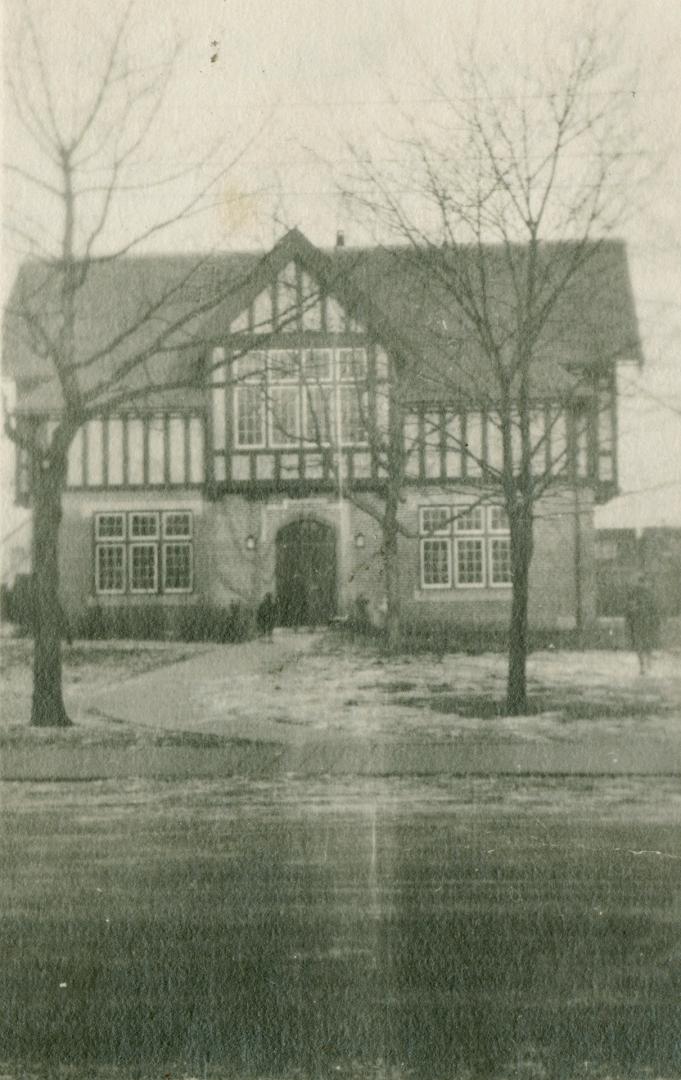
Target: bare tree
<point>366,410</point>
<point>89,159</point>
<point>500,205</point>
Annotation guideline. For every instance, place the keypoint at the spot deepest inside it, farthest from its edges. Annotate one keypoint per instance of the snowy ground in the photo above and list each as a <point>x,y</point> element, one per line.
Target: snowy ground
<point>305,685</point>
<point>334,687</point>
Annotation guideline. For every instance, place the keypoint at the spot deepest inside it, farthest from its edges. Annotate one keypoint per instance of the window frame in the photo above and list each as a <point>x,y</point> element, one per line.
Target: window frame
<point>497,530</point>
<point>254,377</point>
<point>312,379</point>
<point>446,530</point>
<point>470,538</point>
<point>360,391</point>
<point>275,378</point>
<point>165,535</point>
<point>495,538</point>
<point>99,547</point>
<point>308,410</point>
<point>276,442</point>
<point>433,539</point>
<point>354,376</point>
<point>178,589</point>
<point>483,534</point>
<point>251,386</point>
<point>145,537</point>
<point>459,512</point>
<point>99,539</point>
<point>126,543</point>
<point>152,545</point>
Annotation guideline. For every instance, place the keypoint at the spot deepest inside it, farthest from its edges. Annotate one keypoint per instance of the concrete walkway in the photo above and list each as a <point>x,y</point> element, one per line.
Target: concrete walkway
<point>209,694</point>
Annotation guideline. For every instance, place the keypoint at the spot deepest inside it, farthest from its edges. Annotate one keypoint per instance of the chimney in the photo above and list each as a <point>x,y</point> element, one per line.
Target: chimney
<point>340,239</point>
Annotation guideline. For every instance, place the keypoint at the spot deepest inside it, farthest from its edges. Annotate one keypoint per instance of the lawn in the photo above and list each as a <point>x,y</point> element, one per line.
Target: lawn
<point>347,928</point>
<point>322,684</point>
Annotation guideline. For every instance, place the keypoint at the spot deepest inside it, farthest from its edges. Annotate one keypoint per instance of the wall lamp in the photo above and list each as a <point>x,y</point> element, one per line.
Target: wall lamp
<point>251,543</point>
<point>360,540</point>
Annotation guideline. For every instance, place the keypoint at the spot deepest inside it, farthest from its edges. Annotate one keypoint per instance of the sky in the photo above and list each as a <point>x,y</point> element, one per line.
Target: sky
<point>284,89</point>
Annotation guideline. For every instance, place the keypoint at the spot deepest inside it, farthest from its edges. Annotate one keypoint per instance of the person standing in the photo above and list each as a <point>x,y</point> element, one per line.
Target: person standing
<point>267,616</point>
<point>643,622</point>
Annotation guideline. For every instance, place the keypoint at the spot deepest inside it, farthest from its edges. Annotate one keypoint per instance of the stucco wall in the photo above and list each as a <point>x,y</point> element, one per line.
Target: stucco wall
<point>235,550</point>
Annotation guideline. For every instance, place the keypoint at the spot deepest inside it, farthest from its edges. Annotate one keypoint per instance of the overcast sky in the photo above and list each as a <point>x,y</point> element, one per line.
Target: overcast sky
<point>303,78</point>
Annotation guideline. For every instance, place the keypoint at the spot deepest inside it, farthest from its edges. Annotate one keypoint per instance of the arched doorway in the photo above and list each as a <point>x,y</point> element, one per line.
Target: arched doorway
<point>306,573</point>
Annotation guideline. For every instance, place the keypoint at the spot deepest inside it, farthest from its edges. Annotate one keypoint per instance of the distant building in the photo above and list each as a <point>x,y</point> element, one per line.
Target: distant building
<point>622,553</point>
<point>241,477</point>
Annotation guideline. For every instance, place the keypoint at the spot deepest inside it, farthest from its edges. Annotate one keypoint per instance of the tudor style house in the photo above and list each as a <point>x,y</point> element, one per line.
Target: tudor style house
<point>252,459</point>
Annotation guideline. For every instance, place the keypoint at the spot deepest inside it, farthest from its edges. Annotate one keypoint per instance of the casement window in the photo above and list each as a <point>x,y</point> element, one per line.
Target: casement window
<point>353,413</point>
<point>436,520</point>
<point>352,365</point>
<point>500,560</point>
<point>318,365</point>
<point>284,365</point>
<point>250,416</point>
<point>319,414</point>
<point>435,526</point>
<point>110,551</point>
<point>110,568</point>
<point>436,570</point>
<point>283,397</point>
<point>177,551</point>
<point>143,568</point>
<point>498,546</point>
<point>110,526</point>
<point>470,569</point>
<point>284,416</point>
<point>142,552</point>
<point>464,547</point>
<point>250,367</point>
<point>469,547</point>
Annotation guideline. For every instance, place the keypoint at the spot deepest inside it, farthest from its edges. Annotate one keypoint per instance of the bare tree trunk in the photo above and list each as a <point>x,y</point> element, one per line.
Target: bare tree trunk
<point>390,524</point>
<point>391,569</point>
<point>521,557</point>
<point>47,708</point>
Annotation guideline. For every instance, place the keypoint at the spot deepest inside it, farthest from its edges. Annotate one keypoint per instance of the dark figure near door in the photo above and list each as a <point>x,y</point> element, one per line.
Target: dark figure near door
<point>643,622</point>
<point>267,616</point>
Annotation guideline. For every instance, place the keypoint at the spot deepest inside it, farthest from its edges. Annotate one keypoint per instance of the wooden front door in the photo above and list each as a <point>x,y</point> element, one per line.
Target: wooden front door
<point>306,573</point>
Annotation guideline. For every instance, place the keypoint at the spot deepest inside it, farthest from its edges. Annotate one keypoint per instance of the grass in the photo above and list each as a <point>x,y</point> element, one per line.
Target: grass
<point>348,928</point>
<point>310,687</point>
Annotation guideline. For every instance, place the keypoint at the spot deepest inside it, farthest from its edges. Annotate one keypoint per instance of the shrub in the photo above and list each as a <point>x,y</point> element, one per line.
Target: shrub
<point>17,603</point>
<point>157,622</point>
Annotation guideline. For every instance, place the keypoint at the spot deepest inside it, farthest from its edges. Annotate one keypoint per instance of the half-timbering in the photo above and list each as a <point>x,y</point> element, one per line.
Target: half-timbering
<point>249,462</point>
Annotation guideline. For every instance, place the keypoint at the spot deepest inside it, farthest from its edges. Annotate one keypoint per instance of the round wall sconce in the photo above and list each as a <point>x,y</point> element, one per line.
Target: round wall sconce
<point>251,543</point>
<point>360,540</point>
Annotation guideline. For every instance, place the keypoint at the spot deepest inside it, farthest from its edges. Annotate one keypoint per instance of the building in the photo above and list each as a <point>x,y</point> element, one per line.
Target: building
<point>247,455</point>
<point>622,554</point>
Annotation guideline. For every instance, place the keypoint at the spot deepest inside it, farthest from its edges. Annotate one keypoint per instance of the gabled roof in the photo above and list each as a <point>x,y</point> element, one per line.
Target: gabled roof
<point>392,291</point>
<point>592,325</point>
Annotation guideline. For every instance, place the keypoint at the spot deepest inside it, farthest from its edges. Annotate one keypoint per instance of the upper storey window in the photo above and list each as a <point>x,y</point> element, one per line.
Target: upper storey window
<point>300,397</point>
